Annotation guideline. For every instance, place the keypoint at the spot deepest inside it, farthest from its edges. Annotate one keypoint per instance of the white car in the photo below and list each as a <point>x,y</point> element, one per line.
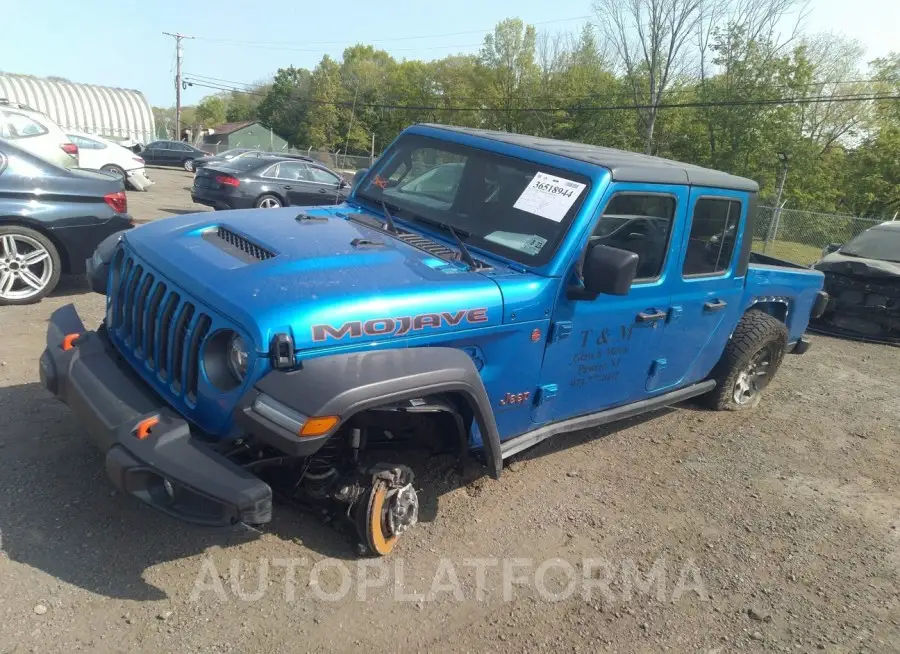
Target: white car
<point>98,153</point>
<point>36,133</point>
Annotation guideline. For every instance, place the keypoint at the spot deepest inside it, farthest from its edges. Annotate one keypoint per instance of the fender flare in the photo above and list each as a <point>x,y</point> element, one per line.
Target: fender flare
<point>345,384</point>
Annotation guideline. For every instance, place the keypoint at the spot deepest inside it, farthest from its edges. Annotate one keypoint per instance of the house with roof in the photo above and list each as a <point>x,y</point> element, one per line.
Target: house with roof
<point>245,134</point>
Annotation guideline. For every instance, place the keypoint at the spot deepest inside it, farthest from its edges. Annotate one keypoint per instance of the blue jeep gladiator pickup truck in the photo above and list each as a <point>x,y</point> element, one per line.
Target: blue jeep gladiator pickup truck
<point>477,293</point>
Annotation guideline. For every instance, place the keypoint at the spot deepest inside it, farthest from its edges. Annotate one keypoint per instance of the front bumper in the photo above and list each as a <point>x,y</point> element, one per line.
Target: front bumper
<point>139,180</point>
<point>170,469</point>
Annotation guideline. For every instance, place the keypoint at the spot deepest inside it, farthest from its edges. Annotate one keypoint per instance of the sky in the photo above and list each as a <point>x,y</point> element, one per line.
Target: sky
<point>121,42</point>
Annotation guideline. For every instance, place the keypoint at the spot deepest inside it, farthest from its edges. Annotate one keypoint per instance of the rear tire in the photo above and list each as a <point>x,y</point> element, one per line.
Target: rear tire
<point>112,169</point>
<point>188,165</point>
<point>268,201</point>
<point>29,265</point>
<point>751,359</point>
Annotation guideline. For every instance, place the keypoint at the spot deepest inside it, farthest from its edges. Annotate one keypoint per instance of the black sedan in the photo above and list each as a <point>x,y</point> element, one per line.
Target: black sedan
<point>862,278</point>
<point>172,153</point>
<point>267,183</point>
<point>224,157</point>
<point>51,220</point>
<point>244,153</point>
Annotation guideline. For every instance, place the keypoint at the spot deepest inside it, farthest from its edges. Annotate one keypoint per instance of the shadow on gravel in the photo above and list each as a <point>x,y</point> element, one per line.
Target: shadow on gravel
<point>59,513</point>
<point>71,285</point>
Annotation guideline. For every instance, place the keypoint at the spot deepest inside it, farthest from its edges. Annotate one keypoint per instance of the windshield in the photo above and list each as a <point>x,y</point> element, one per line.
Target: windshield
<point>514,208</point>
<point>882,244</point>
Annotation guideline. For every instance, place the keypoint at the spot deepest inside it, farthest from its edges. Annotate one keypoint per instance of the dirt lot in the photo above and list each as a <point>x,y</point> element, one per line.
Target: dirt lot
<point>169,196</point>
<point>775,530</point>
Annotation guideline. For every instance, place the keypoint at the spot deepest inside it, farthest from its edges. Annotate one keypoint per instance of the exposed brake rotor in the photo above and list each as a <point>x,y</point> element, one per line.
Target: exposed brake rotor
<point>386,514</point>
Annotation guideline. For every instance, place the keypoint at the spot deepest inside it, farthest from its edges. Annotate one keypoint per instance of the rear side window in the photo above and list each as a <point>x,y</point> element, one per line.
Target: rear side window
<point>19,126</point>
<point>713,233</point>
<point>640,223</point>
<point>293,171</point>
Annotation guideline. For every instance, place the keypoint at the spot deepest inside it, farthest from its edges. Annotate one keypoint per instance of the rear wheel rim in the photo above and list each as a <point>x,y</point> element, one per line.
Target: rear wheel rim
<point>25,267</point>
<point>189,165</point>
<point>269,203</point>
<point>113,170</point>
<point>754,376</point>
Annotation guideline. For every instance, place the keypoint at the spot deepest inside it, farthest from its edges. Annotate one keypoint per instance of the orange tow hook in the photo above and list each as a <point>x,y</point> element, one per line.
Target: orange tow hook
<point>69,341</point>
<point>145,426</point>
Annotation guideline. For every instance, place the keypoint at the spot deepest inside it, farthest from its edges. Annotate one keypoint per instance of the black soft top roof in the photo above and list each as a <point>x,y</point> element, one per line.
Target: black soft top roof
<point>624,166</point>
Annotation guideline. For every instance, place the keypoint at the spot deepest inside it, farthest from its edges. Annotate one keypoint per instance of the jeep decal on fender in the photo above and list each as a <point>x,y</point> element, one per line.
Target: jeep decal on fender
<point>398,326</point>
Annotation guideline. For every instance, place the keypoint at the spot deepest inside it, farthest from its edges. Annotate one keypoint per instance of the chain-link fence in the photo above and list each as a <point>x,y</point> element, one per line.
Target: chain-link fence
<point>799,236</point>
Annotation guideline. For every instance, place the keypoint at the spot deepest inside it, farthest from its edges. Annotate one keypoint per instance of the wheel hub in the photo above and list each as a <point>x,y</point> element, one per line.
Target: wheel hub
<point>25,267</point>
<point>403,511</point>
<point>754,377</point>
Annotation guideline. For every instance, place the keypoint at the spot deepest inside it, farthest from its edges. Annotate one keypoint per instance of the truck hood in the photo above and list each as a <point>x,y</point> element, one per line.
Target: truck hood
<point>858,266</point>
<point>313,273</point>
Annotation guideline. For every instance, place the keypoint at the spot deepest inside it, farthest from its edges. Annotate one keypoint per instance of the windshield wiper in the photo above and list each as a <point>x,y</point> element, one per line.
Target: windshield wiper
<point>456,233</point>
<point>392,228</point>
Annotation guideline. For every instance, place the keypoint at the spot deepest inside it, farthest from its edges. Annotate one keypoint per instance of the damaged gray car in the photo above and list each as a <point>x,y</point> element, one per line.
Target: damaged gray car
<point>862,278</point>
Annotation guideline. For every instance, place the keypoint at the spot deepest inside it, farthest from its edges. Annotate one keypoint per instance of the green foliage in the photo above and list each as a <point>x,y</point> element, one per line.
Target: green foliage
<point>841,157</point>
<point>210,111</point>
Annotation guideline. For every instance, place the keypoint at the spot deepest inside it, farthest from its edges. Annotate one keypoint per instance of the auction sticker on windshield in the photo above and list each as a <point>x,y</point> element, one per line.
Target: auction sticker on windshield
<point>549,196</point>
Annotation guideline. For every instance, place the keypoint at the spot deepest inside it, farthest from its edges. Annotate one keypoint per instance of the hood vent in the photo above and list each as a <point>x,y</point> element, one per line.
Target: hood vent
<point>240,247</point>
<point>427,245</point>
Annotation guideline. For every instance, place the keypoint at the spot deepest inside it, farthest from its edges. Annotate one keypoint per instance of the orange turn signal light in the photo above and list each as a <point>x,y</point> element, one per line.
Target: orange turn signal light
<point>144,427</point>
<point>69,341</point>
<point>319,426</point>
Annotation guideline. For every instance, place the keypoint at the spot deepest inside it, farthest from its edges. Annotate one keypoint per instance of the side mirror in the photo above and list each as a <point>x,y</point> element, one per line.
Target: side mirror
<point>359,175</point>
<point>607,270</point>
<point>344,184</point>
<point>832,247</point>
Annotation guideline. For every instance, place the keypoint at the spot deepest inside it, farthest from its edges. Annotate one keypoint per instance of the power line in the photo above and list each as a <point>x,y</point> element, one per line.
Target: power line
<point>385,40</point>
<point>588,96</point>
<point>858,97</point>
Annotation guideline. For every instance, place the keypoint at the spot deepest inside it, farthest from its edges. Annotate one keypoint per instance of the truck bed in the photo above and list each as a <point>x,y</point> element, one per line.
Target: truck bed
<point>767,260</point>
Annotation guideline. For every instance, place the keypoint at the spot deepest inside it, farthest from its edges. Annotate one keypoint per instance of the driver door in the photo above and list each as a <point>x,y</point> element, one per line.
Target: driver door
<point>602,352</point>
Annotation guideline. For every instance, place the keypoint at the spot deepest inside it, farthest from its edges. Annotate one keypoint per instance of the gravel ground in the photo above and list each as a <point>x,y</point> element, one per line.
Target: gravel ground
<point>170,195</point>
<point>685,531</point>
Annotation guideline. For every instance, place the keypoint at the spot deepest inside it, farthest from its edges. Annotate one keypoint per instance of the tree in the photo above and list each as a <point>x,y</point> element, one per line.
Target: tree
<point>210,111</point>
<point>284,109</point>
<point>509,73</point>
<point>650,39</point>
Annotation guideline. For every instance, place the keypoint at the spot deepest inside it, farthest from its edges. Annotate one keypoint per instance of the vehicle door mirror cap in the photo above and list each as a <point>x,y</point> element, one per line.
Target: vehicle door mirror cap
<point>832,247</point>
<point>609,271</point>
<point>345,184</point>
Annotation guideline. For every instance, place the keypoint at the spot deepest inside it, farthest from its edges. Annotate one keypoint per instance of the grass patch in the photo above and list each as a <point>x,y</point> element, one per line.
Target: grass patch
<point>794,252</point>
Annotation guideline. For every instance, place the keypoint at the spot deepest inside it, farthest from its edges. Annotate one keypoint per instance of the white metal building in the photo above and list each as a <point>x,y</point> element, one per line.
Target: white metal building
<point>111,112</point>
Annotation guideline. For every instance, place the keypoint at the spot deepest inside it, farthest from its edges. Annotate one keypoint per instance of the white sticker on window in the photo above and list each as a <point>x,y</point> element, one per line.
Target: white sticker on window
<point>522,242</point>
<point>549,196</point>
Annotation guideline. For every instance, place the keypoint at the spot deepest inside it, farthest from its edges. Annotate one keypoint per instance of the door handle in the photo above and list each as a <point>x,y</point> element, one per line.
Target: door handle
<point>288,188</point>
<point>647,316</point>
<point>322,190</point>
<point>715,305</point>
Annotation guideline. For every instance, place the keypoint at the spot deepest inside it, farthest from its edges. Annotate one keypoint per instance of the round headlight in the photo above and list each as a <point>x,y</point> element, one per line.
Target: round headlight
<point>237,357</point>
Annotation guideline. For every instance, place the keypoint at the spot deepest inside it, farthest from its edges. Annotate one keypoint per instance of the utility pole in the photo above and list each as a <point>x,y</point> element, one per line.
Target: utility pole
<point>179,54</point>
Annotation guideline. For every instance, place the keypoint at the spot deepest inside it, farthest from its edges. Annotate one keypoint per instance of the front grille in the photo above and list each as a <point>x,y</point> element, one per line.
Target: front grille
<point>238,246</point>
<point>158,326</point>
